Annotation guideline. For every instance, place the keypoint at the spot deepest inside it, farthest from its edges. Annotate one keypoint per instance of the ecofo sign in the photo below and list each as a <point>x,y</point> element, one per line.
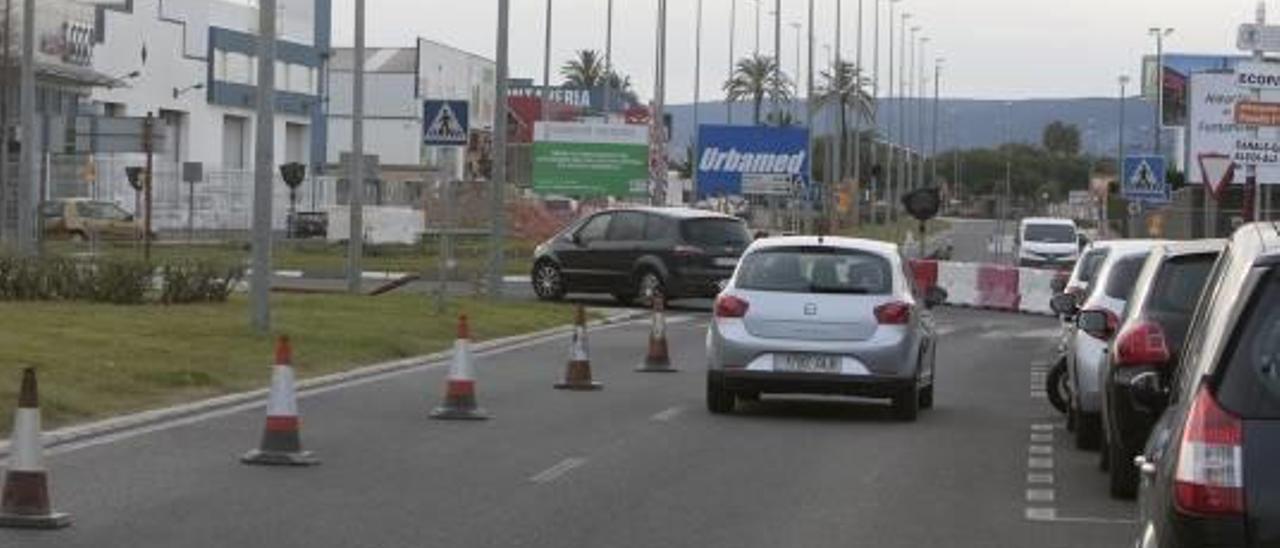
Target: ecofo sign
<point>728,155</point>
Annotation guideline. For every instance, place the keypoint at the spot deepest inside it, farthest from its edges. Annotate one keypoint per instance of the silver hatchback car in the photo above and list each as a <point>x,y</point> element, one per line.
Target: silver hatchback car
<point>823,315</point>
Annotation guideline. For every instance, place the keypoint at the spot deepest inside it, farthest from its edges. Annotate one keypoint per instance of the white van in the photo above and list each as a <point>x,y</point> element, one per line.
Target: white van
<point>1048,243</point>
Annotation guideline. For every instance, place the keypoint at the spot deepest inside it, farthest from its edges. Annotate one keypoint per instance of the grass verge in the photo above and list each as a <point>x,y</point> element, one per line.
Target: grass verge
<point>96,361</point>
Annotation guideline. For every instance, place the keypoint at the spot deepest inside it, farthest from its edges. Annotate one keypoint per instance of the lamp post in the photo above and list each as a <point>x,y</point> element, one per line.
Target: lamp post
<point>1159,33</point>
<point>933,148</point>
<point>1106,196</point>
<point>497,209</point>
<point>733,31</point>
<point>546,68</point>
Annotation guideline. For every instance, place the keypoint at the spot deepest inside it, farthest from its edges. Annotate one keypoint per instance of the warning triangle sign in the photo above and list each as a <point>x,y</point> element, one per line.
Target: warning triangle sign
<point>445,126</point>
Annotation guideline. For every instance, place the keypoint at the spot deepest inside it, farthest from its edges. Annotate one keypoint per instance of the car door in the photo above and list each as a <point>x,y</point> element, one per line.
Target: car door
<point>579,257</point>
<point>622,248</point>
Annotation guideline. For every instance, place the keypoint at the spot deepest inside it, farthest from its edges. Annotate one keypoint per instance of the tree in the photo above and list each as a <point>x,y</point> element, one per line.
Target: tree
<point>781,118</point>
<point>755,79</point>
<point>586,70</point>
<point>845,87</point>
<point>1062,139</point>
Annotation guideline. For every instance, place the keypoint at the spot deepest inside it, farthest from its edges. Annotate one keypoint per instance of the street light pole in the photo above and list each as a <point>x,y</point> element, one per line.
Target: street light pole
<point>733,31</point>
<point>857,126</point>
<point>1006,217</point>
<point>28,175</point>
<point>1160,33</point>
<point>497,200</point>
<point>891,179</point>
<point>608,55</point>
<point>697,76</point>
<point>263,169</point>
<point>921,91</point>
<point>546,68</point>
<point>6,69</point>
<point>808,100</point>
<point>356,175</point>
<point>876,183</point>
<point>1106,196</point>
<point>777,56</point>
<point>908,94</point>
<point>933,149</point>
<point>659,102</point>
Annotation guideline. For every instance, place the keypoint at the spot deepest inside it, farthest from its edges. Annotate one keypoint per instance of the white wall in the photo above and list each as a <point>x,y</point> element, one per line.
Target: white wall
<point>449,73</point>
<point>392,127</point>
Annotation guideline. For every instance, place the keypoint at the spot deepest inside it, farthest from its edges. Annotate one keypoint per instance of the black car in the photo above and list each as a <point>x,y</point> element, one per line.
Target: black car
<point>1209,473</point>
<point>1149,340</point>
<point>664,253</point>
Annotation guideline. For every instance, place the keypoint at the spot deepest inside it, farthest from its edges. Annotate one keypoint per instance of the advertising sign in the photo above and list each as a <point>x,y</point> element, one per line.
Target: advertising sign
<point>1176,80</point>
<point>1213,128</point>
<point>1256,75</point>
<point>726,154</point>
<point>589,99</point>
<point>590,159</point>
<point>1253,37</point>
<point>445,123</point>
<point>1256,113</point>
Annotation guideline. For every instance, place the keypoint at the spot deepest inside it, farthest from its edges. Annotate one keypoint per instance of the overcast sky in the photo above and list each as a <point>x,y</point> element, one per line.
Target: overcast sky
<point>993,48</point>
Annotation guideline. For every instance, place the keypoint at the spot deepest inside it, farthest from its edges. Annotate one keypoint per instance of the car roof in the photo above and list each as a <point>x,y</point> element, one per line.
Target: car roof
<point>673,212</point>
<point>1125,246</point>
<point>858,244</point>
<point>1192,247</point>
<point>1048,221</point>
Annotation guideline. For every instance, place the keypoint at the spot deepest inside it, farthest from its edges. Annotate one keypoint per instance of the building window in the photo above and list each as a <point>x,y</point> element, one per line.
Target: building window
<point>235,142</point>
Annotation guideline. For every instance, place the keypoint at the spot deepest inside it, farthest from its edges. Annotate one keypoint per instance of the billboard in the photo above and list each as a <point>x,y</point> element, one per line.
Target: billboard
<point>1176,80</point>
<point>729,154</point>
<point>574,159</point>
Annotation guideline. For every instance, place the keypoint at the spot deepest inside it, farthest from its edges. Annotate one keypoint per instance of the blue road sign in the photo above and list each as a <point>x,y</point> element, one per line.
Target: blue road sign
<point>728,153</point>
<point>445,123</point>
<point>1144,180</point>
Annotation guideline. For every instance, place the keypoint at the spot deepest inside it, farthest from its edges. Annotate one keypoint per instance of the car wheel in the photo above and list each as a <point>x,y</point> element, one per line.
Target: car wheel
<point>1124,479</point>
<point>1088,431</point>
<point>1056,386</point>
<point>906,406</point>
<point>719,400</point>
<point>548,281</point>
<point>926,397</point>
<point>651,288</point>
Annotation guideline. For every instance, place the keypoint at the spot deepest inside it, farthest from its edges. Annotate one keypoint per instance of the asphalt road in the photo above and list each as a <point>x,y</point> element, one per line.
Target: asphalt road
<point>639,464</point>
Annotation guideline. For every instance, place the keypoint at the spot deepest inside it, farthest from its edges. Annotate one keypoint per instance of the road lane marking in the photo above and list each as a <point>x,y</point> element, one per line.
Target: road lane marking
<point>1040,495</point>
<point>1090,520</point>
<point>1040,478</point>
<point>1040,463</point>
<point>560,469</point>
<point>1042,427</point>
<point>1042,514</point>
<point>1040,449</point>
<point>1038,437</point>
<point>667,415</point>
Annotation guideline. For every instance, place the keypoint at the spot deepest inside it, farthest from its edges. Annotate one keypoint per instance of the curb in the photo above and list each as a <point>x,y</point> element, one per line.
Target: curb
<point>77,433</point>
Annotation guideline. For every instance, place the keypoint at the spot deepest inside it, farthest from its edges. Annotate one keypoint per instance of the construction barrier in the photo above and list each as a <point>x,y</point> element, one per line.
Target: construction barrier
<point>991,286</point>
<point>960,280</point>
<point>1035,289</point>
<point>925,273</point>
<point>998,287</point>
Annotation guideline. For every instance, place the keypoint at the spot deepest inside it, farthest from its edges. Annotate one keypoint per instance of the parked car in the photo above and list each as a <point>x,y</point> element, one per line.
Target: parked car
<point>81,219</point>
<point>1149,339</point>
<point>1108,294</point>
<point>1209,474</point>
<point>1065,304</point>
<point>663,253</point>
<point>1045,242</point>
<point>814,315</point>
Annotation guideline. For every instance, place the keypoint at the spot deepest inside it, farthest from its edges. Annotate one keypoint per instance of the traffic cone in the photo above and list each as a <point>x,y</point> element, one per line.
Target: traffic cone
<point>577,374</point>
<point>460,387</point>
<point>658,360</point>
<point>281,441</point>
<point>25,500</point>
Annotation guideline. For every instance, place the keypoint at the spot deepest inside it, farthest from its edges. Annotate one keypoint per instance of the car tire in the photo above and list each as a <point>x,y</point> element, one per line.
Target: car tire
<point>719,400</point>
<point>906,406</point>
<point>926,397</point>
<point>1088,431</point>
<point>548,281</point>
<point>1124,479</point>
<point>1055,385</point>
<point>650,287</point>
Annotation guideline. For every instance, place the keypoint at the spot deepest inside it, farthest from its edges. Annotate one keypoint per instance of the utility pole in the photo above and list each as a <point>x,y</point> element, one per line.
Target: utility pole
<point>28,175</point>
<point>497,201</point>
<point>263,169</point>
<point>6,69</point>
<point>608,55</point>
<point>356,175</point>
<point>908,74</point>
<point>659,104</point>
<point>733,31</point>
<point>546,69</point>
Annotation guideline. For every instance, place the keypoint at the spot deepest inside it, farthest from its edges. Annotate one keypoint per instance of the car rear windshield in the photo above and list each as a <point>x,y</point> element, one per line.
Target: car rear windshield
<point>1050,234</point>
<point>1090,263</point>
<point>816,270</point>
<point>1177,288</point>
<point>715,232</point>
<point>1251,383</point>
<point>1123,275</point>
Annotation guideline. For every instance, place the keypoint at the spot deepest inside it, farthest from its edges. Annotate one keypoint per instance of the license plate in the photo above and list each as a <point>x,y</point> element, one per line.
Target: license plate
<point>726,262</point>
<point>807,363</point>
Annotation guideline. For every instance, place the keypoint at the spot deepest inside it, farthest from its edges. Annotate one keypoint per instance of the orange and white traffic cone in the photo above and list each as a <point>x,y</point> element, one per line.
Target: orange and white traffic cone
<point>281,439</point>
<point>25,500</point>
<point>577,374</point>
<point>460,387</point>
<point>658,360</point>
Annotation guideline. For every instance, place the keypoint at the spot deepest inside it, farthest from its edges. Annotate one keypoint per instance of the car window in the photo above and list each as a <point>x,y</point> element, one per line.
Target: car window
<point>1251,380</point>
<point>658,229</point>
<point>1185,368</point>
<point>50,210</point>
<point>101,211</point>
<point>595,229</point>
<point>812,269</point>
<point>1123,275</point>
<point>1049,234</point>
<point>715,232</point>
<point>1089,264</point>
<point>627,226</point>
<point>1179,284</point>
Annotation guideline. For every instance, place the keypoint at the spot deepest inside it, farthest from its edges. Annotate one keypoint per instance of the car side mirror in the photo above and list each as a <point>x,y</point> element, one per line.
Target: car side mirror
<point>1064,304</point>
<point>1149,392</point>
<point>935,296</point>
<point>1058,285</point>
<point>576,239</point>
<point>1096,324</point>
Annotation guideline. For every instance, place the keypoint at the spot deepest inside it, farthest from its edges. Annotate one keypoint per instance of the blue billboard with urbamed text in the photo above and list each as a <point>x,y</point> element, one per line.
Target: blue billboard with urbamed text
<point>727,153</point>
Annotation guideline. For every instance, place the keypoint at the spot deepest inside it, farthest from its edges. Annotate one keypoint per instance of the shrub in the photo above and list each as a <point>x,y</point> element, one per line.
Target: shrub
<point>198,281</point>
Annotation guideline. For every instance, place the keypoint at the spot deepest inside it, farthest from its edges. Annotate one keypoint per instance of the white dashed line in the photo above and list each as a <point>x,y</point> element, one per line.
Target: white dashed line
<point>1040,495</point>
<point>560,469</point>
<point>1040,478</point>
<point>1040,437</point>
<point>1042,427</point>
<point>1043,450</point>
<point>667,415</point>
<point>1040,463</point>
<point>1042,514</point>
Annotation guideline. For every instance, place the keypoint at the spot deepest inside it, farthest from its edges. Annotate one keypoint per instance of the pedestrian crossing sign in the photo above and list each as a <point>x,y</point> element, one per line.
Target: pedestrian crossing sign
<point>1144,180</point>
<point>445,123</point>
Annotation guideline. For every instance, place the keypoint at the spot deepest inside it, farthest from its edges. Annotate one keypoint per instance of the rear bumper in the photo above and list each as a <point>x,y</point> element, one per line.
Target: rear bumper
<point>810,383</point>
<point>1129,423</point>
<point>697,282</point>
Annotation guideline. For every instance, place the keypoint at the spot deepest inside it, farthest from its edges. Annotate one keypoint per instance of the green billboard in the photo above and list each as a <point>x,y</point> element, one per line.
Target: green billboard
<point>590,159</point>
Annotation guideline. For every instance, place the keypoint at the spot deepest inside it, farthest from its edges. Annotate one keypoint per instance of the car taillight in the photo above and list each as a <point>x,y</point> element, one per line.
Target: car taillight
<point>1106,331</point>
<point>894,313</point>
<point>728,306</point>
<point>1210,476</point>
<point>688,251</point>
<point>1142,343</point>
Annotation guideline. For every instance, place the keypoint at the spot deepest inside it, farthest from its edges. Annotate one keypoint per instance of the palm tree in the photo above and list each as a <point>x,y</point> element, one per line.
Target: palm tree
<point>846,87</point>
<point>587,70</point>
<point>757,78</point>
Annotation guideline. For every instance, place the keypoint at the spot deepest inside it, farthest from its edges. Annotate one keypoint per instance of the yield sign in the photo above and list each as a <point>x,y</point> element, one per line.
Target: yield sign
<point>1218,170</point>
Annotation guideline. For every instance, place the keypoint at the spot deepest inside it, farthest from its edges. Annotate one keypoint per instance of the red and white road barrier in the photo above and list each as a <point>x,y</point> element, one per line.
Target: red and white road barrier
<point>989,286</point>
